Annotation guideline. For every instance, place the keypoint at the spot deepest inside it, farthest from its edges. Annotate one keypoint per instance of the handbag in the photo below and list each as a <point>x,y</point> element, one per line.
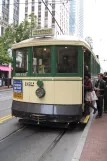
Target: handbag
<point>91,96</point>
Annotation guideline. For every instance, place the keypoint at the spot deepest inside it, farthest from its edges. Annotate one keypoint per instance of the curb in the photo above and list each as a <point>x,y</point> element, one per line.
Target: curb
<point>80,146</point>
<point>7,89</point>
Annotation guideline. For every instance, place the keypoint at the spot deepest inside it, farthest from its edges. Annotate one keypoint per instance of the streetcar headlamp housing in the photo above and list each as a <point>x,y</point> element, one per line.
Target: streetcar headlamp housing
<point>40,92</point>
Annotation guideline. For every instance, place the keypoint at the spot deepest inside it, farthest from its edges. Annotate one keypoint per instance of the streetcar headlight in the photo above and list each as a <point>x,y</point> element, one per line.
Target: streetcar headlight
<point>40,92</point>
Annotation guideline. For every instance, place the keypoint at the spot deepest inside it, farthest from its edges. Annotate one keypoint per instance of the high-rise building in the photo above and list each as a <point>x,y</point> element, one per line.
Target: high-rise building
<point>14,11</point>
<point>50,14</point>
<point>9,13</point>
<point>76,18</point>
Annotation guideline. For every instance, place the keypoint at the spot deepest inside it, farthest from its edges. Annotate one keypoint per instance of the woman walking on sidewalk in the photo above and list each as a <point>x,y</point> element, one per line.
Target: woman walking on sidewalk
<point>89,95</point>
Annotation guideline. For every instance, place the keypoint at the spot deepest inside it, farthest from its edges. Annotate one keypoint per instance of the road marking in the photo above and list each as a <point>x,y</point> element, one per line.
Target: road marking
<point>5,118</point>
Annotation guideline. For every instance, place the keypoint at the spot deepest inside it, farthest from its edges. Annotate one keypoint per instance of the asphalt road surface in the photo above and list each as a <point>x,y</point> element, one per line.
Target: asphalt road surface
<point>20,142</point>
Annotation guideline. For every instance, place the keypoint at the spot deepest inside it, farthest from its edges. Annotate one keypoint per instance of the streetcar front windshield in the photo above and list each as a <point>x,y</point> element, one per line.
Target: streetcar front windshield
<point>41,60</point>
<point>67,59</point>
<point>21,60</point>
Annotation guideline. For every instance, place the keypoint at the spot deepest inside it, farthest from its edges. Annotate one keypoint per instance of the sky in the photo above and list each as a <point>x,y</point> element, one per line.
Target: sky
<point>95,25</point>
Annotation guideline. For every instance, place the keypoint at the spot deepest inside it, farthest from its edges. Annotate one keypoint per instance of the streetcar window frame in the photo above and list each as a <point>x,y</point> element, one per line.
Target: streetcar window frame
<point>41,74</point>
<point>20,74</point>
<point>65,47</point>
<point>53,62</point>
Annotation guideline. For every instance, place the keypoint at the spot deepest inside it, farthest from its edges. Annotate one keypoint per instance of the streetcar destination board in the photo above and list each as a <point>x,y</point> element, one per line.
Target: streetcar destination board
<point>43,32</point>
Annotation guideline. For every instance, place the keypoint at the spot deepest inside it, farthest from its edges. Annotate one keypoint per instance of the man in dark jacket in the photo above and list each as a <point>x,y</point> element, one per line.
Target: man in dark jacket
<point>99,88</point>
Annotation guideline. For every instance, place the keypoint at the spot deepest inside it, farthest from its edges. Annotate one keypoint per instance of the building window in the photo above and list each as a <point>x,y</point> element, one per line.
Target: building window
<point>41,60</point>
<point>39,23</point>
<point>53,20</point>
<point>46,14</point>
<point>53,6</point>
<point>67,59</point>
<point>33,2</point>
<point>39,20</point>
<point>26,9</point>
<point>26,3</point>
<point>3,2</point>
<point>26,15</point>
<point>16,10</point>
<point>39,16</point>
<point>2,30</point>
<point>7,4</point>
<point>46,1</point>
<point>33,8</point>
<point>5,16</point>
<point>15,21</point>
<point>53,13</point>
<point>39,1</point>
<point>39,8</point>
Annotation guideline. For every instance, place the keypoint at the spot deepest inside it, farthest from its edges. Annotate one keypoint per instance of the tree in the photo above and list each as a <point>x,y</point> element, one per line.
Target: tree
<point>14,34</point>
<point>4,57</point>
<point>21,31</point>
<point>33,22</point>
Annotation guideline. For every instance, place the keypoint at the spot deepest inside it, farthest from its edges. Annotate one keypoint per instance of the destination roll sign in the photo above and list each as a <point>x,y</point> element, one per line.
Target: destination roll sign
<point>43,32</point>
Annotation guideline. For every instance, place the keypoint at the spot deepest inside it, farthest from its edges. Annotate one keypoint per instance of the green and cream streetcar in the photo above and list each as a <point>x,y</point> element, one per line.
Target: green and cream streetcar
<point>48,77</point>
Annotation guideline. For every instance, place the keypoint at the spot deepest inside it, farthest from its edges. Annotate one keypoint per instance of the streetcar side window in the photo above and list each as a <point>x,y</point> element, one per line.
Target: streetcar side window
<point>21,60</point>
<point>67,59</point>
<point>41,60</point>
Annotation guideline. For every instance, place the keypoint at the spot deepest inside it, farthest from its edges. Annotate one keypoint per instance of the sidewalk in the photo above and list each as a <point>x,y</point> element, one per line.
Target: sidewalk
<point>5,88</point>
<point>95,148</point>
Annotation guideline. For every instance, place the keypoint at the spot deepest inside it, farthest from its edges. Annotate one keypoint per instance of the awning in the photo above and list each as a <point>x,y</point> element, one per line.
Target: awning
<point>3,68</point>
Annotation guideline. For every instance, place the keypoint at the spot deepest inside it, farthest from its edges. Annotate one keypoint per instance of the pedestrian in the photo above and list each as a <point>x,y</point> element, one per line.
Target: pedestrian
<point>104,76</point>
<point>105,93</point>
<point>99,89</point>
<point>89,95</point>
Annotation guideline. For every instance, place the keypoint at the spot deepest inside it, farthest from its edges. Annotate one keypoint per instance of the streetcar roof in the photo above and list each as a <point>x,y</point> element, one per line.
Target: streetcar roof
<point>59,40</point>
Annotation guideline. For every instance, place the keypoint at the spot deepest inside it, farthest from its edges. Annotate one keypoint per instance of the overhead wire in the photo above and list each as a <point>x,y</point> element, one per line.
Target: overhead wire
<point>49,2</point>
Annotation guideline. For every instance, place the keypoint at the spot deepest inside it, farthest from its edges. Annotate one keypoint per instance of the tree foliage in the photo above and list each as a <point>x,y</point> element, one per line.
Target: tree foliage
<point>14,34</point>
